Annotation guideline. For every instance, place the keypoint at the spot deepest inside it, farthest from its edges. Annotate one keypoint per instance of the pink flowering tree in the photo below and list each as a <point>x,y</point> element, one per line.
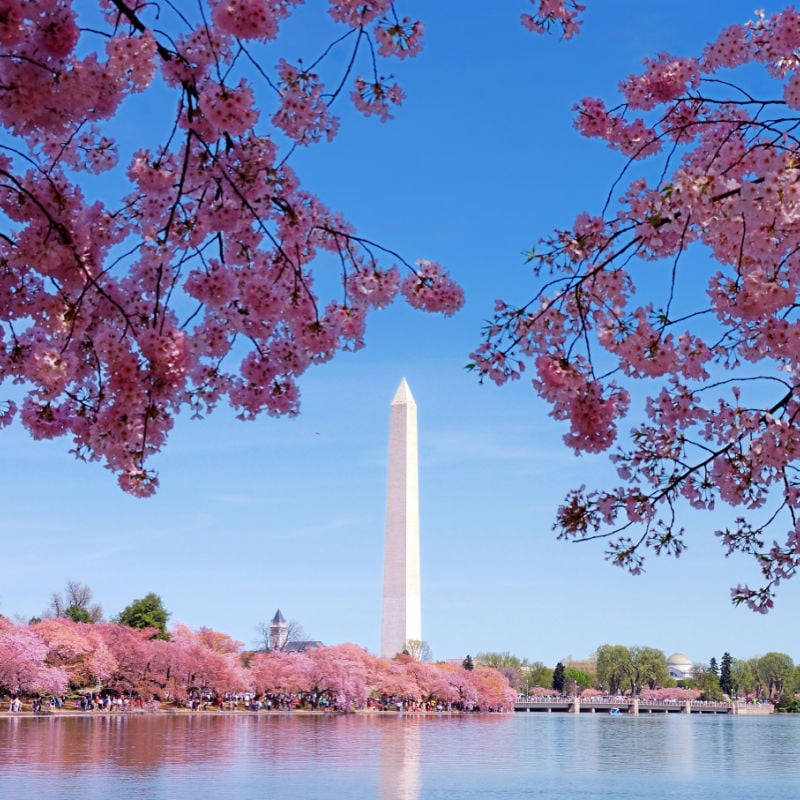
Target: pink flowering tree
<point>682,291</point>
<point>133,650</point>
<point>197,281</point>
<point>79,649</point>
<point>202,660</point>
<point>395,678</point>
<point>278,672</point>
<point>426,675</point>
<point>23,667</point>
<point>343,674</point>
<point>494,690</point>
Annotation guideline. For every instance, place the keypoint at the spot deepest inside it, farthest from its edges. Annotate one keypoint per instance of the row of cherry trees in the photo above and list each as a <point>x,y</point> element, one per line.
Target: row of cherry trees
<point>57,654</point>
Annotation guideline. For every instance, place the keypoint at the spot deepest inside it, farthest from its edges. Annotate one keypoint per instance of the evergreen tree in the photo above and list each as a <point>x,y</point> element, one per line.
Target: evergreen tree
<point>467,663</point>
<point>559,678</point>
<point>712,666</point>
<point>725,678</point>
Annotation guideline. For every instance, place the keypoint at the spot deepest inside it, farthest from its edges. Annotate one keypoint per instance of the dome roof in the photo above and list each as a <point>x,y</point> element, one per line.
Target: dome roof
<point>679,658</point>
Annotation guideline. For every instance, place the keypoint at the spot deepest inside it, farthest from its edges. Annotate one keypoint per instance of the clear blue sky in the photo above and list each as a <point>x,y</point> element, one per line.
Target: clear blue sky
<point>480,162</point>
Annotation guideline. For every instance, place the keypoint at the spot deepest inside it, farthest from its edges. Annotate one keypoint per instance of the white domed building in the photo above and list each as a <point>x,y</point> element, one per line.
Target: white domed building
<point>680,667</point>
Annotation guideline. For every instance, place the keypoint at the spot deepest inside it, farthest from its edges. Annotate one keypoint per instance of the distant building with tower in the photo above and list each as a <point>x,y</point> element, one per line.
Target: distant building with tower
<point>401,615</point>
<point>280,636</point>
<point>278,631</point>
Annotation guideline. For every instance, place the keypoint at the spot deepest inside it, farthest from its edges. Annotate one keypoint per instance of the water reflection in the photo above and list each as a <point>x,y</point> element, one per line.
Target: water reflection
<point>399,757</point>
<point>126,742</point>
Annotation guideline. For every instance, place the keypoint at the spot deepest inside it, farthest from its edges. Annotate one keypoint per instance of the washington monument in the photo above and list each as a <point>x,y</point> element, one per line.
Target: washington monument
<point>402,614</point>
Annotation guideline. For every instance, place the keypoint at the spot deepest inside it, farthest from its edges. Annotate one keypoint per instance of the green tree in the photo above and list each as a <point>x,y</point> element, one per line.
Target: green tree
<point>558,678</point>
<point>704,679</point>
<point>759,689</point>
<point>743,681</point>
<point>795,687</point>
<point>775,671</point>
<point>537,674</point>
<point>499,660</point>
<point>468,663</point>
<point>614,667</point>
<point>621,668</point>
<point>78,613</point>
<point>146,612</point>
<point>725,677</point>
<point>649,668</point>
<point>712,665</point>
<point>577,680</point>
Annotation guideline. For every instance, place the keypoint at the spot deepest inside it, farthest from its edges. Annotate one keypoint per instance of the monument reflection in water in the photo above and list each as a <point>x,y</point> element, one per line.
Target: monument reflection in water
<point>399,757</point>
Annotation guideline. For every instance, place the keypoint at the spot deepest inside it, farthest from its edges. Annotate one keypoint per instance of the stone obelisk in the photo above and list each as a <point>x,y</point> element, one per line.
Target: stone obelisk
<point>402,613</point>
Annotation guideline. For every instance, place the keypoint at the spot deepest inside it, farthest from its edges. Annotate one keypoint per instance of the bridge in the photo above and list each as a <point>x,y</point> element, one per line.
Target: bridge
<point>636,705</point>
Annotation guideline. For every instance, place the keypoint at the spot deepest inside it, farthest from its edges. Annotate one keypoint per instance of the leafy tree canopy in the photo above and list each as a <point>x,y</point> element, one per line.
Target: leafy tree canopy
<point>146,612</point>
<point>538,674</point>
<point>78,614</point>
<point>582,680</point>
<point>505,659</point>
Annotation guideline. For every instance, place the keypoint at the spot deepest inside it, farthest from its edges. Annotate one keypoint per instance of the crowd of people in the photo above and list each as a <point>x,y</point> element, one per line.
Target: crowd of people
<point>230,701</point>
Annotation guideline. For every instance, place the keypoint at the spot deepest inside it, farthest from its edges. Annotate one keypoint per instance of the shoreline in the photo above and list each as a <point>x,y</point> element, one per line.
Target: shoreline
<point>184,712</point>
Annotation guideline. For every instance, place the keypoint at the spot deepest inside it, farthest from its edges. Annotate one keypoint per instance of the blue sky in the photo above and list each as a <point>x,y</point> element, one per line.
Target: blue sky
<point>480,162</point>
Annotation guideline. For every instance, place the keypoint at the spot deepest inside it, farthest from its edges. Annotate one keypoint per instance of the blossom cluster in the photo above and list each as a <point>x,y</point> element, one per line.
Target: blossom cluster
<point>430,288</point>
<point>197,285</point>
<point>561,13</point>
<point>376,97</point>
<point>713,343</point>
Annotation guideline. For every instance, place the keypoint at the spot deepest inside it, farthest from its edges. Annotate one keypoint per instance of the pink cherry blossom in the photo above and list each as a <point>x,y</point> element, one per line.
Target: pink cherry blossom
<point>118,311</point>
<point>715,374</point>
<point>376,97</point>
<point>430,288</point>
<point>562,13</point>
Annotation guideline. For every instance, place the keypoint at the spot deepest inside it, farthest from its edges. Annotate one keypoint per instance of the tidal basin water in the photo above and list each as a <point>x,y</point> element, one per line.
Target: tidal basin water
<point>394,757</point>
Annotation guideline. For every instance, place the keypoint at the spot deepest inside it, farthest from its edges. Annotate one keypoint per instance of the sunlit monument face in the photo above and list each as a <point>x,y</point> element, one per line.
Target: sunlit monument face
<point>402,616</point>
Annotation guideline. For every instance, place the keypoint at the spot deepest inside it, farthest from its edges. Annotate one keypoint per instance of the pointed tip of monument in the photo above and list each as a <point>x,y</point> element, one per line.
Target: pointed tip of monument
<point>403,394</point>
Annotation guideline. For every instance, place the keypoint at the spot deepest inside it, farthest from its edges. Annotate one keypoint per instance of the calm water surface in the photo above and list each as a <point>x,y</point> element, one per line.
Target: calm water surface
<point>392,757</point>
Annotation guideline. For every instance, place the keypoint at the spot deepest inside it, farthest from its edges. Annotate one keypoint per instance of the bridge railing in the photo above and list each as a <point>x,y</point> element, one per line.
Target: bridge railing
<point>618,701</point>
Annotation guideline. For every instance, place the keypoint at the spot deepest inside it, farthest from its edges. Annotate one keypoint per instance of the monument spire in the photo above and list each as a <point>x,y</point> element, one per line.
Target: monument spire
<point>402,613</point>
